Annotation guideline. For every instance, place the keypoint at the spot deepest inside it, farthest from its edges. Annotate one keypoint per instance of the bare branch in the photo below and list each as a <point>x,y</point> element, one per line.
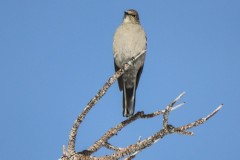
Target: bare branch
<point>94,100</point>
<point>134,154</point>
<point>64,150</point>
<point>111,147</point>
<point>113,131</point>
<point>200,121</point>
<point>169,108</point>
<point>136,147</point>
<point>131,157</point>
<point>132,150</point>
<point>154,114</point>
<point>185,133</point>
<point>157,136</point>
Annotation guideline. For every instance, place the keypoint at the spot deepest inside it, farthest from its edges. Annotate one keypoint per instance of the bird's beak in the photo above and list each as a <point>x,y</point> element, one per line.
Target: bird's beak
<point>126,12</point>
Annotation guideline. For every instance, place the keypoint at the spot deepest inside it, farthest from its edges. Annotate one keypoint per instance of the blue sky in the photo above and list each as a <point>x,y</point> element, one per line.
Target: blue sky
<point>55,55</point>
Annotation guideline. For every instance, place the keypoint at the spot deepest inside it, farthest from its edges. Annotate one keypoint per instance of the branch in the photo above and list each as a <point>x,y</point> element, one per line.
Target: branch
<point>111,147</point>
<point>200,121</point>
<point>94,100</point>
<point>113,131</point>
<point>132,150</point>
<point>169,108</point>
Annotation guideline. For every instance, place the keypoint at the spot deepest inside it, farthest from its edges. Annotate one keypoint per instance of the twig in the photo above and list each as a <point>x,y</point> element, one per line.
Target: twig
<point>169,108</point>
<point>111,147</point>
<point>200,121</point>
<point>131,157</point>
<point>154,114</point>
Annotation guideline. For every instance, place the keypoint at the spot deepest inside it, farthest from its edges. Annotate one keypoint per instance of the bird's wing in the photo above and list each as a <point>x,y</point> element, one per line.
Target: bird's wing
<point>141,68</point>
<point>120,80</point>
<point>139,75</point>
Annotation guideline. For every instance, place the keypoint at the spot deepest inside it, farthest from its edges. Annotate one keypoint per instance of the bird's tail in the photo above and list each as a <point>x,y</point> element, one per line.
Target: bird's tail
<point>129,101</point>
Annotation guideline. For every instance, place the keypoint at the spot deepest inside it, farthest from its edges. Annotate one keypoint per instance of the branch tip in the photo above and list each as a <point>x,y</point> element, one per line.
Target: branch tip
<point>178,106</point>
<point>181,95</point>
<point>214,112</point>
<point>139,139</point>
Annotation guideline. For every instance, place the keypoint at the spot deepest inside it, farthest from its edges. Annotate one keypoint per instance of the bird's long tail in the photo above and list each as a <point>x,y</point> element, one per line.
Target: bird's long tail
<point>129,100</point>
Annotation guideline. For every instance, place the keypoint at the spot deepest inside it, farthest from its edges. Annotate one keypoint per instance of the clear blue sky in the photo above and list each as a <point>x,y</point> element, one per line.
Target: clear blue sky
<point>56,54</point>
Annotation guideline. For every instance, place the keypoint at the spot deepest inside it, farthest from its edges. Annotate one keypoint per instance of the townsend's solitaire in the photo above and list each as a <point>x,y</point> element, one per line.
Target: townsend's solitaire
<point>129,40</point>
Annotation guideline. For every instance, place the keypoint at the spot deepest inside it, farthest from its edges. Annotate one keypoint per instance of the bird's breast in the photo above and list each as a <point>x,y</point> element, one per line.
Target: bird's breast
<point>129,40</point>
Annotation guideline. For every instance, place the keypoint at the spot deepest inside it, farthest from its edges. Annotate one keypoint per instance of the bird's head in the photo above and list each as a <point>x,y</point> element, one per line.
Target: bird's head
<point>131,16</point>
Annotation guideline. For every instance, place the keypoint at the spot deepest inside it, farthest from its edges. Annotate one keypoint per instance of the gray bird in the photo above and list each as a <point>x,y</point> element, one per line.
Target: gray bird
<point>129,40</point>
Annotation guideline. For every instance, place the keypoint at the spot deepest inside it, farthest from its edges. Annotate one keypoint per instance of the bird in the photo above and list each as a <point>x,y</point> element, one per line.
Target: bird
<point>128,41</point>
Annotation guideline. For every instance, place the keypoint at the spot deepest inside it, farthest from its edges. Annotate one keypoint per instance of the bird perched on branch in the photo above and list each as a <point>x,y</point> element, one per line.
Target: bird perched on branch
<point>129,40</point>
